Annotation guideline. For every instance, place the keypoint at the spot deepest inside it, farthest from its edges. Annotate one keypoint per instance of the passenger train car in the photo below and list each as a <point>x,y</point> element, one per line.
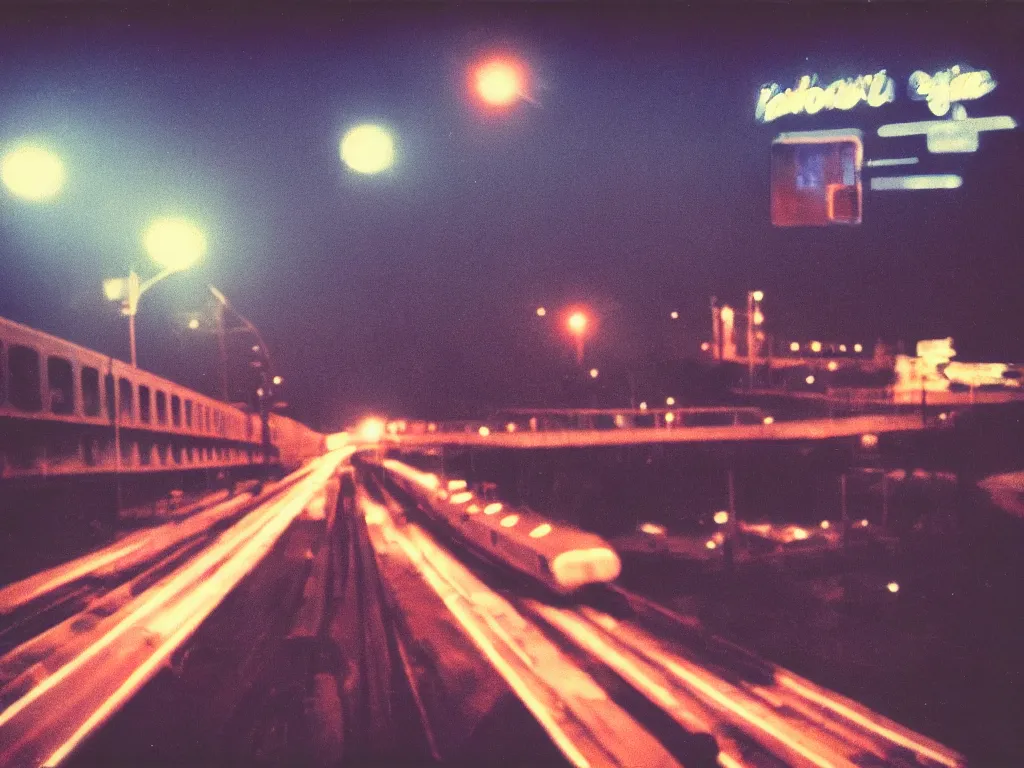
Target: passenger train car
<point>67,410</point>
<point>557,555</point>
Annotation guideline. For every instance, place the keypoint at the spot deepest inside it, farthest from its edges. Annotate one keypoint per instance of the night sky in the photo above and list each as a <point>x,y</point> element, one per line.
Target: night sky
<point>635,182</point>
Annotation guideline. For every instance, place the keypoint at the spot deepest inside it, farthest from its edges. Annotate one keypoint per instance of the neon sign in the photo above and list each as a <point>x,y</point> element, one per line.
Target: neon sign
<point>940,90</point>
<point>810,98</point>
<point>948,86</point>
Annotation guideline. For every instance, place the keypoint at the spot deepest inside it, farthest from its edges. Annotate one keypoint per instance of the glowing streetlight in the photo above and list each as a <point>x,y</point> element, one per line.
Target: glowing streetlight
<point>175,244</point>
<point>815,346</point>
<point>643,406</point>
<point>577,326</point>
<point>794,346</point>
<point>674,315</point>
<point>32,172</point>
<point>277,380</point>
<point>593,373</point>
<point>758,296</point>
<point>809,379</point>
<point>367,149</point>
<point>541,311</point>
<point>193,323</point>
<point>499,82</point>
<point>842,347</point>
<point>858,348</point>
<point>670,401</point>
<point>721,517</point>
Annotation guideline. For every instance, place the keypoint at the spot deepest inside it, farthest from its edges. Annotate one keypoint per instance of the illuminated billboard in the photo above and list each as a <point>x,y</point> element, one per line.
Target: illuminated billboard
<point>816,178</point>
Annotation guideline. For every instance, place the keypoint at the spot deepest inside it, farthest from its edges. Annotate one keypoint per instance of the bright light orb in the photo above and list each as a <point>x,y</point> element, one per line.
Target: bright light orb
<point>721,517</point>
<point>594,373</point>
<point>541,311</point>
<point>758,295</point>
<point>368,149</point>
<point>794,346</point>
<point>174,244</point>
<point>499,83</point>
<point>32,173</point>
<point>674,315</point>
<point>193,323</point>
<point>577,322</point>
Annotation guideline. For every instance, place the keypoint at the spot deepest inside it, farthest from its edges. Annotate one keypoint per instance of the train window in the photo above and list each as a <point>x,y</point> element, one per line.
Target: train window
<point>206,419</point>
<point>62,385</point>
<point>161,407</point>
<point>3,379</point>
<point>188,414</point>
<point>176,410</point>
<point>90,391</point>
<point>26,392</point>
<point>144,404</point>
<point>126,396</point>
<point>108,391</point>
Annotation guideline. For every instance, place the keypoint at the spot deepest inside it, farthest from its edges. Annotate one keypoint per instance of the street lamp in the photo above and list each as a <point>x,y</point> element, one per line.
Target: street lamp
<point>577,326</point>
<point>367,149</point>
<point>264,393</point>
<point>754,317</point>
<point>174,244</point>
<point>499,82</point>
<point>32,172</point>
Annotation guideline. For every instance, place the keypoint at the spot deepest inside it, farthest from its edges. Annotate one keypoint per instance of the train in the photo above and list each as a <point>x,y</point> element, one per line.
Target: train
<point>556,555</point>
<point>66,410</point>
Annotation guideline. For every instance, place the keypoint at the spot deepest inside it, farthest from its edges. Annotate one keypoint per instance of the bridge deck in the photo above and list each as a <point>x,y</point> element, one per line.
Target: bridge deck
<point>808,429</point>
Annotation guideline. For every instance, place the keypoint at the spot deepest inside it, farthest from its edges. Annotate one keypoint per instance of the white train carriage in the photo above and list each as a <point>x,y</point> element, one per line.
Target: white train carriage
<point>560,556</point>
<point>66,409</point>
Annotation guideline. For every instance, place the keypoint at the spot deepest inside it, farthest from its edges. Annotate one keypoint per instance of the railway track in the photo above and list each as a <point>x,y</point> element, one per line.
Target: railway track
<point>144,600</point>
<point>616,679</point>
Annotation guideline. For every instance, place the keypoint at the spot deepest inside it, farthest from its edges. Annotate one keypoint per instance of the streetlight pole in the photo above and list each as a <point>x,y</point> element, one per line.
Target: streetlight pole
<point>264,391</point>
<point>130,307</point>
<point>754,299</point>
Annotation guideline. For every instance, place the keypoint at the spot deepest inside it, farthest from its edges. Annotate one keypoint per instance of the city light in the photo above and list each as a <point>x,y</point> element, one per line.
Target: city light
<point>509,521</point>
<point>577,322</point>
<point>721,517</point>
<point>769,420</point>
<point>815,346</point>
<point>705,346</point>
<point>510,427</point>
<point>368,149</point>
<point>32,173</point>
<point>371,430</point>
<point>674,315</point>
<point>593,373</point>
<point>799,534</point>
<point>456,485</point>
<point>260,392</point>
<point>175,244</point>
<point>193,322</point>
<point>710,544</point>
<point>277,380</point>
<point>652,529</point>
<point>499,82</point>
<point>670,401</point>
<point>893,587</point>
<point>758,317</point>
<point>869,440</point>
<point>825,525</point>
<point>832,365</point>
<point>858,348</point>
<point>809,379</point>
<point>758,296</point>
<point>541,311</point>
<point>643,406</point>
<point>493,508</point>
<point>794,346</point>
<point>670,417</point>
<point>842,347</point>
<point>484,431</point>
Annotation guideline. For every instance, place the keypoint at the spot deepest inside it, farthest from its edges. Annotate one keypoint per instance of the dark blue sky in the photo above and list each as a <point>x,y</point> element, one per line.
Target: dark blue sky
<point>637,184</point>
